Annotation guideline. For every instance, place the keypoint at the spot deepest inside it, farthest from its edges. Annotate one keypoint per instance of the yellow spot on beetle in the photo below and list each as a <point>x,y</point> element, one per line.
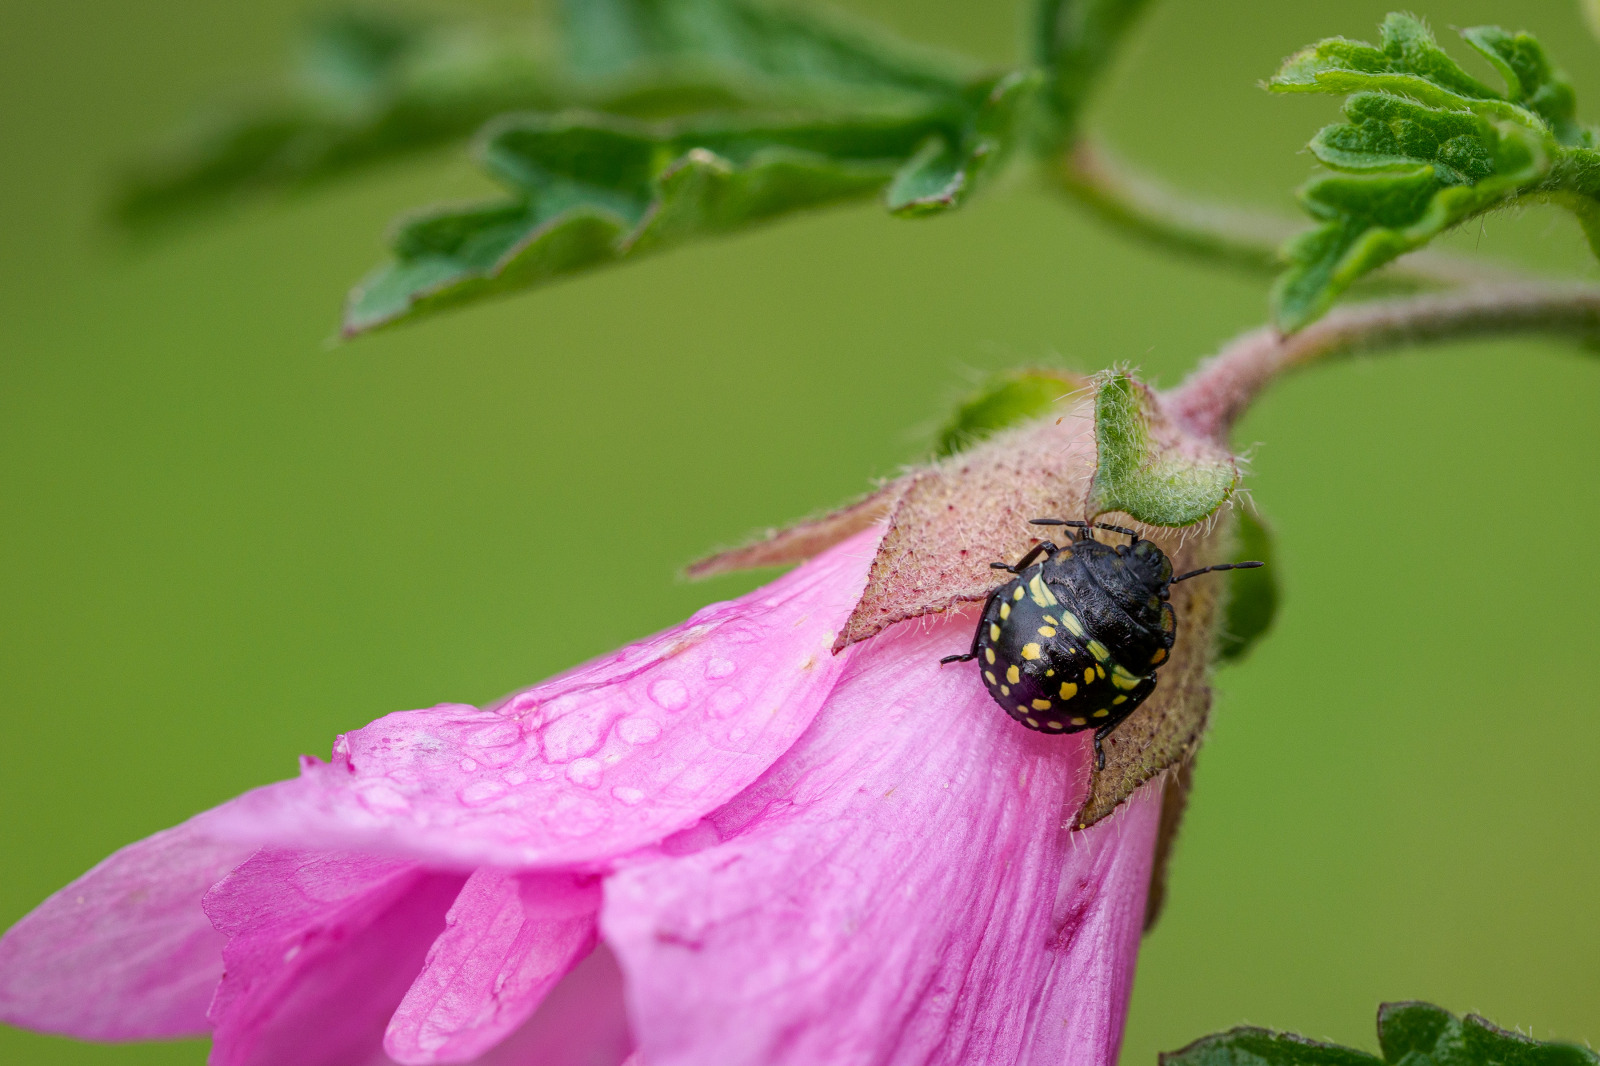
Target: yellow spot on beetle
<point>1030,651</point>
<point>1013,675</point>
<point>1159,657</point>
<point>1080,721</point>
<point>1046,631</point>
<point>1017,595</point>
<point>1073,623</point>
<point>1122,679</point>
<point>994,631</point>
<point>1033,723</point>
<point>1098,650</point>
<point>1068,690</point>
<point>1100,671</point>
<point>1101,713</point>
<point>988,675</point>
<point>1005,690</point>
<point>1005,611</point>
<point>1041,592</point>
<point>1119,701</point>
<point>1051,619</point>
<point>1041,705</point>
<point>988,653</point>
<point>1055,725</point>
<point>1088,675</point>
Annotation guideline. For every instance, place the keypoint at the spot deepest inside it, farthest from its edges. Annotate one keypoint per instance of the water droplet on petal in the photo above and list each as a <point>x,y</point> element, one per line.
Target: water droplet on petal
<point>631,796</point>
<point>480,792</point>
<point>638,729</point>
<point>719,668</point>
<point>725,701</point>
<point>380,797</point>
<point>670,693</point>
<point>585,772</point>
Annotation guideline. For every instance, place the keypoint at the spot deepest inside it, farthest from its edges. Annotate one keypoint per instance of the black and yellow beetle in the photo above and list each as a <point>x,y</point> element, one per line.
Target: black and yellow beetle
<point>1074,639</point>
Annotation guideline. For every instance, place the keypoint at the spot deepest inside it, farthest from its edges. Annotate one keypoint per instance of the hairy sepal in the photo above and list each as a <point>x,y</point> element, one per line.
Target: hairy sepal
<point>1417,1034</point>
<point>1425,148</point>
<point>1146,466</point>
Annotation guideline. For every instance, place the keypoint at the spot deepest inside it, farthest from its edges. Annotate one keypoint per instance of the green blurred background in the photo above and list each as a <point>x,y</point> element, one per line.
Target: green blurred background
<point>225,540</point>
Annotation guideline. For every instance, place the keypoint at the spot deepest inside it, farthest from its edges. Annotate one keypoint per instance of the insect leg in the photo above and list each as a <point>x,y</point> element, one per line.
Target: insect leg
<point>1044,547</point>
<point>977,634</point>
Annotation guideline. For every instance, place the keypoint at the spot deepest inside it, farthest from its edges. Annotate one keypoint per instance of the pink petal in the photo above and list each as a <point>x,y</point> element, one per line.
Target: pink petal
<point>580,1023</point>
<point>899,888</point>
<point>607,758</point>
<point>124,952</point>
<point>321,949</point>
<point>508,940</point>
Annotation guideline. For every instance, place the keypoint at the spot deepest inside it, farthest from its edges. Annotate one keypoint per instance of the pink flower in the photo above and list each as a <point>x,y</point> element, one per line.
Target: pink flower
<point>723,845</point>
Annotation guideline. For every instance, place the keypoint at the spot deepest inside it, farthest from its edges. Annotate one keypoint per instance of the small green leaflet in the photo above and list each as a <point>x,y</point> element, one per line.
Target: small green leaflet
<point>1416,1034</point>
<point>1252,594</point>
<point>950,167</point>
<point>1145,467</point>
<point>590,189</point>
<point>1426,147</point>
<point>1007,399</point>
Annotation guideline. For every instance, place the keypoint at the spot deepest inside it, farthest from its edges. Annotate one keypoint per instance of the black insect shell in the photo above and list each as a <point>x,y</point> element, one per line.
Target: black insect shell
<point>1073,642</point>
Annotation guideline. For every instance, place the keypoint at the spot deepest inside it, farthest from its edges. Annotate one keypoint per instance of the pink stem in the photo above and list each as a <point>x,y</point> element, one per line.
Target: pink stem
<point>1223,387</point>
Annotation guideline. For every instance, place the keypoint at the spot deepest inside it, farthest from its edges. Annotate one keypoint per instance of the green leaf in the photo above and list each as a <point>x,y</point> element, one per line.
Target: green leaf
<point>1005,400</point>
<point>1425,147</point>
<point>761,47</point>
<point>1249,1046</point>
<point>1074,41</point>
<point>1412,1034</point>
<point>368,87</point>
<point>1146,467</point>
<point>1425,1035</point>
<point>947,170</point>
<point>591,189</point>
<point>1252,594</point>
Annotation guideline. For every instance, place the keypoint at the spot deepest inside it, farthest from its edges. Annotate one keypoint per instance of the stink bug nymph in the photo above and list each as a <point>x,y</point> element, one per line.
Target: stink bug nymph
<point>1073,641</point>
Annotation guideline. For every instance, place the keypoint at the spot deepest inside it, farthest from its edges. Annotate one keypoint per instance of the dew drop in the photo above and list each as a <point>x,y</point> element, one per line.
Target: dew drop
<point>719,668</point>
<point>468,765</point>
<point>585,772</point>
<point>670,694</point>
<point>480,792</point>
<point>638,729</point>
<point>725,701</point>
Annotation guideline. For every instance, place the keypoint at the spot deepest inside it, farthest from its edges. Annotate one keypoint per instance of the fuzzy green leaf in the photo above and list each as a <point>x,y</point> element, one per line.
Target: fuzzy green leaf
<point>1147,468</point>
<point>1425,147</point>
<point>1252,594</point>
<point>591,189</point>
<point>1074,42</point>
<point>1006,400</point>
<point>1412,1034</point>
<point>947,170</point>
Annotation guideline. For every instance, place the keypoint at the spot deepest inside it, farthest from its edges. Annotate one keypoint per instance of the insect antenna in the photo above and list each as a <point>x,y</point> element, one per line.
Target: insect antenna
<point>1220,566</point>
<point>1085,526</point>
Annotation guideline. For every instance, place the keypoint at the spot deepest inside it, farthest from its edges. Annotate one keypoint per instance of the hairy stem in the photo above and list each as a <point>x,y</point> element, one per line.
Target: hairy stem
<point>1222,388</point>
<point>1242,238</point>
